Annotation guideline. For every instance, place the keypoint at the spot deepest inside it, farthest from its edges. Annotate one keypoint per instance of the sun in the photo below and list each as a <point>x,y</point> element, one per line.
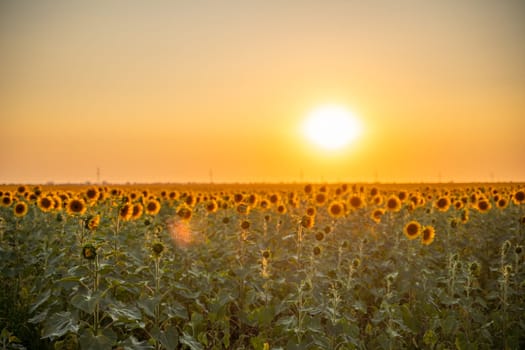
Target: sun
<point>331,127</point>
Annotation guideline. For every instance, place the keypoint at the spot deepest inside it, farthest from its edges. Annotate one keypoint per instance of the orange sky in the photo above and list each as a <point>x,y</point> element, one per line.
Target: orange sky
<point>165,90</point>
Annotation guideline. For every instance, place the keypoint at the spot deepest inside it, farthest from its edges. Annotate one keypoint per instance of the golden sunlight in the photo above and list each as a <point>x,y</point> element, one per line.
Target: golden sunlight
<point>331,127</point>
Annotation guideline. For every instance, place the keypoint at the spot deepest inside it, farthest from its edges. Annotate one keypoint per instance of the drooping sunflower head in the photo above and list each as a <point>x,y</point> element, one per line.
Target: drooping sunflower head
<point>92,222</point>
<point>377,214</point>
<point>427,235</point>
<point>89,252</point>
<point>412,229</point>
<point>243,209</point>
<point>157,248</point>
<point>125,212</point>
<point>317,251</point>
<point>137,211</point>
<point>519,197</point>
<point>307,221</point>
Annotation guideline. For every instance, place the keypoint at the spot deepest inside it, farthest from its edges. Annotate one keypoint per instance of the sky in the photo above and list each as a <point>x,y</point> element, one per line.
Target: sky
<point>210,90</point>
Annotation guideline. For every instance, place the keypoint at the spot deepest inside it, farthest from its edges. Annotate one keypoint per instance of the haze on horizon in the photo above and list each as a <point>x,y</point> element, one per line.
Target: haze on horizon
<point>165,91</point>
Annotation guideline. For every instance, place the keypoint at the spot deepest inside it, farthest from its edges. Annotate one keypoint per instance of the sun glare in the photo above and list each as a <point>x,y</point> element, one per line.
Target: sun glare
<point>331,127</point>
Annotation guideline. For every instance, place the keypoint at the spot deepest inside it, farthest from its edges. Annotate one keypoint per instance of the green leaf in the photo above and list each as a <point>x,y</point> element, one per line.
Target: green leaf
<point>168,338</point>
<point>124,313</point>
<point>102,341</point>
<point>190,341</point>
<point>86,302</point>
<point>59,324</point>
<point>42,299</point>
<point>132,343</point>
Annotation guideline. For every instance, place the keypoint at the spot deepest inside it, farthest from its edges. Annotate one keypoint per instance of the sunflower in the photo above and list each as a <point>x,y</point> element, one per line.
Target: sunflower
<point>402,195</point>
<point>93,222</point>
<point>245,225</point>
<point>89,252</point>
<point>483,205</point>
<point>412,230</point>
<point>157,248</point>
<point>502,203</point>
<point>76,206</point>
<point>356,202</point>
<point>184,212</point>
<point>190,200</point>
<point>211,206</point>
<point>264,204</point>
<point>7,200</point>
<point>152,207</point>
<point>274,198</point>
<point>320,198</point>
<point>46,203</point>
<point>281,209</point>
<point>21,190</point>
<point>137,211</point>
<point>393,203</point>
<point>427,235</point>
<point>336,209</point>
<point>442,204</point>
<point>519,197</point>
<point>317,250</point>
<point>252,199</point>
<point>311,211</point>
<point>266,254</point>
<point>377,214</point>
<point>92,194</point>
<point>243,209</point>
<point>307,221</point>
<point>20,209</point>
<point>238,197</point>
<point>464,216</point>
<point>319,236</point>
<point>308,189</point>
<point>125,212</point>
<point>377,199</point>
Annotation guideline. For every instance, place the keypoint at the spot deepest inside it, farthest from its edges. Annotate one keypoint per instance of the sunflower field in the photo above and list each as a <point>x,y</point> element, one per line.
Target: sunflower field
<point>297,266</point>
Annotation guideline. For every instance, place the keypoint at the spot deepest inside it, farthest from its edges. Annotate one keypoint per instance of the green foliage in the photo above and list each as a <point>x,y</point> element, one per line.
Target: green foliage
<point>359,285</point>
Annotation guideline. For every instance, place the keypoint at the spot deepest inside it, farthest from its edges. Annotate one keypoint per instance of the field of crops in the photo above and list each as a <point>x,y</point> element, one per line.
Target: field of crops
<point>263,267</point>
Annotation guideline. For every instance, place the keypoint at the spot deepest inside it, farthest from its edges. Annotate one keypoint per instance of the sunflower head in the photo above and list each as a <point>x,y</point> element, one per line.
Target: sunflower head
<point>137,211</point>
<point>356,201</point>
<point>184,212</point>
<point>307,221</point>
<point>319,236</point>
<point>393,204</point>
<point>427,235</point>
<point>157,248</point>
<point>211,206</point>
<point>266,254</point>
<point>317,250</point>
<point>519,197</point>
<point>92,222</point>
<point>76,206</point>
<point>20,209</point>
<point>442,203</point>
<point>89,252</point>
<point>125,212</point>
<point>412,230</point>
<point>46,203</point>
<point>336,209</point>
<point>245,225</point>
<point>152,207</point>
<point>483,205</point>
<point>320,198</point>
